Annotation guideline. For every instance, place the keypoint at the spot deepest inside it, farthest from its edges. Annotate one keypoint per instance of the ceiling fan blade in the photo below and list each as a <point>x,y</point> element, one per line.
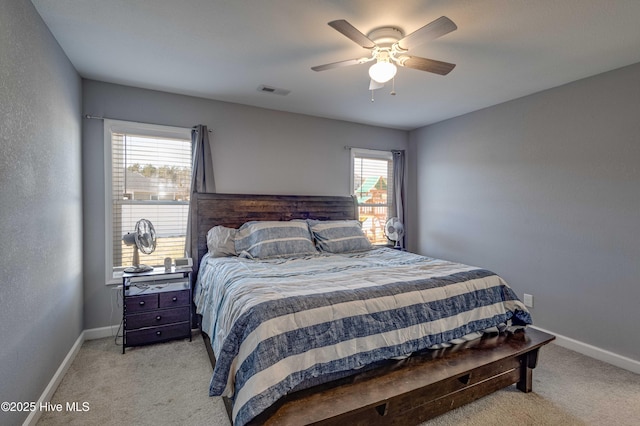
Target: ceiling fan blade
<point>429,65</point>
<point>374,85</point>
<point>340,64</point>
<point>432,30</point>
<point>352,33</point>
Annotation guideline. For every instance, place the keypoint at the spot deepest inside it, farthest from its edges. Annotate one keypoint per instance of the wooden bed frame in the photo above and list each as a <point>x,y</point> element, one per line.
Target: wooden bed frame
<point>403,392</point>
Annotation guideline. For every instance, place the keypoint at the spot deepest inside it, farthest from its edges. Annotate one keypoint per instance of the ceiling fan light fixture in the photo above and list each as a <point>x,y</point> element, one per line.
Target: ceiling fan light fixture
<point>388,46</point>
<point>382,71</point>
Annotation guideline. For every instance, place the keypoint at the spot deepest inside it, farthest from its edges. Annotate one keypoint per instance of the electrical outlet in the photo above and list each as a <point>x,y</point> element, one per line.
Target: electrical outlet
<point>528,300</point>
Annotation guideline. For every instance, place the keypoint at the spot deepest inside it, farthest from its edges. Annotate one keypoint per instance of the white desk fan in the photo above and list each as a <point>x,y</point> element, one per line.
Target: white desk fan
<point>394,230</point>
<point>144,240</point>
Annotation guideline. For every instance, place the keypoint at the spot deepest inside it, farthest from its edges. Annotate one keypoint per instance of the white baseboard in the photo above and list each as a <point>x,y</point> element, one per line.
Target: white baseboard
<point>99,333</point>
<point>33,417</point>
<point>594,352</point>
<point>90,334</point>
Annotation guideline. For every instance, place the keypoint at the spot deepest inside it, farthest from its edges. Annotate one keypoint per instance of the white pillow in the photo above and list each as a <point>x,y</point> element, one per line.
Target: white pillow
<point>221,241</point>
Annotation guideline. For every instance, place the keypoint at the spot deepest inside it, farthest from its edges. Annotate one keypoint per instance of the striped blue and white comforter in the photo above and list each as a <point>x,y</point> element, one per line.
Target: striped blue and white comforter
<point>275,324</point>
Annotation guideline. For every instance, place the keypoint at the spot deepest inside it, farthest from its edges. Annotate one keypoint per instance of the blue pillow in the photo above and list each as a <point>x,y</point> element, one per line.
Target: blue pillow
<point>339,236</point>
<point>268,239</point>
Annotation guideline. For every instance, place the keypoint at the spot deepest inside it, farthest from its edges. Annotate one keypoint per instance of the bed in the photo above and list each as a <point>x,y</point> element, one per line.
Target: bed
<point>326,338</point>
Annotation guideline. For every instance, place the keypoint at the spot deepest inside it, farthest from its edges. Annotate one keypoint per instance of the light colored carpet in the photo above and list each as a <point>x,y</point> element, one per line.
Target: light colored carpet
<point>166,384</point>
<point>162,384</point>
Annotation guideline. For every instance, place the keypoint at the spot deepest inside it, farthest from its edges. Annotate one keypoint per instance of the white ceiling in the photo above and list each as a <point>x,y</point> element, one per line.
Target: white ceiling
<point>225,49</point>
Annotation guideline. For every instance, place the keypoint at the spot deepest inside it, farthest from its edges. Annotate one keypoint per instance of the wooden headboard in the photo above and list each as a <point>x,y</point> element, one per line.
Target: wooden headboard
<point>232,210</point>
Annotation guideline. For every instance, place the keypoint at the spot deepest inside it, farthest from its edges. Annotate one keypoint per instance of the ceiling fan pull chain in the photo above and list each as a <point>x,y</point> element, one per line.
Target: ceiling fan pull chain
<point>372,100</point>
<point>393,87</point>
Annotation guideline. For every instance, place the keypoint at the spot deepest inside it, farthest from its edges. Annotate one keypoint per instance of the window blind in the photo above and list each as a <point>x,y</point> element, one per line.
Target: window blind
<point>151,178</point>
<point>373,187</point>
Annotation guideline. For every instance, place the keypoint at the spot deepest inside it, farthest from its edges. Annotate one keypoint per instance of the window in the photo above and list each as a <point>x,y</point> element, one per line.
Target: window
<point>148,175</point>
<point>372,173</point>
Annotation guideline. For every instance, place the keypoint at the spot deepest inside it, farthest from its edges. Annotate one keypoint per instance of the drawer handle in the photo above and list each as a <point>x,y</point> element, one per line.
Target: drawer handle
<point>175,299</point>
<point>142,303</point>
<point>158,318</point>
<point>382,409</point>
<point>465,379</point>
<point>158,333</point>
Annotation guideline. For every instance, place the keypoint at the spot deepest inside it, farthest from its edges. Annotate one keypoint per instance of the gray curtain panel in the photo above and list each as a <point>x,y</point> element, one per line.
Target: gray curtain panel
<point>397,206</point>
<point>201,172</point>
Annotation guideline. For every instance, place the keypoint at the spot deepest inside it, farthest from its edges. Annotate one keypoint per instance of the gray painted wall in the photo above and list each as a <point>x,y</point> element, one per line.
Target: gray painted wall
<point>255,151</point>
<point>544,190</point>
<point>40,205</point>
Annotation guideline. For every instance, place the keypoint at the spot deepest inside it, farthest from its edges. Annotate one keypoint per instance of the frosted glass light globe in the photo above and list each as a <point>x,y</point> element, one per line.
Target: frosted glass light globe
<point>382,71</point>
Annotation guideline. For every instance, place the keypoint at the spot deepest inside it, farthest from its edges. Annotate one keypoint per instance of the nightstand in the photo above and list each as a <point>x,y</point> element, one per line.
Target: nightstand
<point>156,306</point>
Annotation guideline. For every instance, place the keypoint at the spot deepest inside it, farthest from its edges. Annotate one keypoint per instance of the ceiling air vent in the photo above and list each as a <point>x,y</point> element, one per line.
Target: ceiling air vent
<point>274,90</point>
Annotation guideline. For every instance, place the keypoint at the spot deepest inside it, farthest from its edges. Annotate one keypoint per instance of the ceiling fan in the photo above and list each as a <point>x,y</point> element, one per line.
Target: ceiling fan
<point>389,47</point>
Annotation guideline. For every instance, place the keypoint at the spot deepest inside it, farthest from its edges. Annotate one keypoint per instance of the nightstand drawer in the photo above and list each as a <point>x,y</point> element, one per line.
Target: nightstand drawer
<point>161,317</point>
<point>174,298</point>
<point>158,334</point>
<point>141,303</point>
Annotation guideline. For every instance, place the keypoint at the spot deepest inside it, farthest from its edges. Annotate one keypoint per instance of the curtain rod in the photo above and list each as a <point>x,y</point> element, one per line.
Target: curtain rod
<point>95,117</point>
<point>371,149</point>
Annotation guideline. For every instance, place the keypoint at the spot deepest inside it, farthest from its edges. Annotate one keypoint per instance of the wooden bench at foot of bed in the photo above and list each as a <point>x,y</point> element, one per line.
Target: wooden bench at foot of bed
<point>418,388</point>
